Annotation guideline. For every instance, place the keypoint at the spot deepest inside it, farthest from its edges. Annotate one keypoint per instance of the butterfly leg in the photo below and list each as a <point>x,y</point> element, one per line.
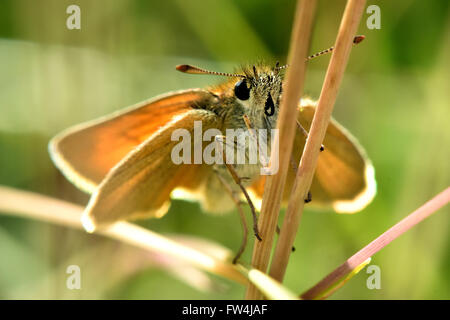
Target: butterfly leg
<point>305,133</point>
<point>278,233</point>
<point>308,197</point>
<point>294,168</point>
<point>238,180</point>
<point>237,201</point>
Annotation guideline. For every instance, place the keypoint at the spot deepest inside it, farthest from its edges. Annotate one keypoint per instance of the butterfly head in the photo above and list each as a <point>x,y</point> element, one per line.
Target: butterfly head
<point>259,89</point>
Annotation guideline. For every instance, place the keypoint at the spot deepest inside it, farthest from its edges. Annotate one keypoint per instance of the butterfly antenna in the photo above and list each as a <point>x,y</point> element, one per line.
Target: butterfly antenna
<point>186,68</point>
<point>277,67</point>
<point>356,40</point>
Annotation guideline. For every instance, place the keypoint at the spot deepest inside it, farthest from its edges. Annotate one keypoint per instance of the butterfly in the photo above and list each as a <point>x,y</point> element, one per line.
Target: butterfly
<point>124,160</point>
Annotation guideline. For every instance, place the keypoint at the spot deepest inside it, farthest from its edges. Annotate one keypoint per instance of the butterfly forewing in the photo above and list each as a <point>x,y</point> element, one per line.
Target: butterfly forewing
<point>85,153</point>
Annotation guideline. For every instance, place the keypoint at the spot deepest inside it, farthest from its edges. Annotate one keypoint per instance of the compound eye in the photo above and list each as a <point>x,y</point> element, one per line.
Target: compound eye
<point>241,90</point>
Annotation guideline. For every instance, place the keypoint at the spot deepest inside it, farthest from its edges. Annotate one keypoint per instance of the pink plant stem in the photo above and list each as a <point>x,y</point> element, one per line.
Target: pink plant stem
<point>379,243</point>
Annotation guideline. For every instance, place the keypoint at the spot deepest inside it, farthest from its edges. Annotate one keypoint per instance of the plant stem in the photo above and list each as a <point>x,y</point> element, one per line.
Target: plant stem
<point>43,208</point>
<point>293,88</point>
<point>349,25</point>
<point>379,243</point>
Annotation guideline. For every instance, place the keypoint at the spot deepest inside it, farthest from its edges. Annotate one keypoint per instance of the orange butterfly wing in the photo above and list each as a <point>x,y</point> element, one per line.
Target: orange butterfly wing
<point>344,177</point>
<point>85,153</point>
<point>139,186</point>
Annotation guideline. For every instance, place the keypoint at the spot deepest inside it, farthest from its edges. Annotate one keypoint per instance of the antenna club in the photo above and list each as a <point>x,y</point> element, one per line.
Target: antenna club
<point>182,67</point>
<point>358,39</point>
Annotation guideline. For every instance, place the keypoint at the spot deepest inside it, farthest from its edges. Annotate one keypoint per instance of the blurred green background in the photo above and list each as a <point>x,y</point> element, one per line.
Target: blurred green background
<point>394,98</point>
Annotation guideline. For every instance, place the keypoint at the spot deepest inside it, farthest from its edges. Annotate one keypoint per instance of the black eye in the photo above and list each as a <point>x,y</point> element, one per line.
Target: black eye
<point>241,90</point>
<point>269,108</point>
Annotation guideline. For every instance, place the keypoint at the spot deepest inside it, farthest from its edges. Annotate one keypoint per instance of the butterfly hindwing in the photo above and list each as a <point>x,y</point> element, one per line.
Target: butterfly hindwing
<point>140,185</point>
<point>344,178</point>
